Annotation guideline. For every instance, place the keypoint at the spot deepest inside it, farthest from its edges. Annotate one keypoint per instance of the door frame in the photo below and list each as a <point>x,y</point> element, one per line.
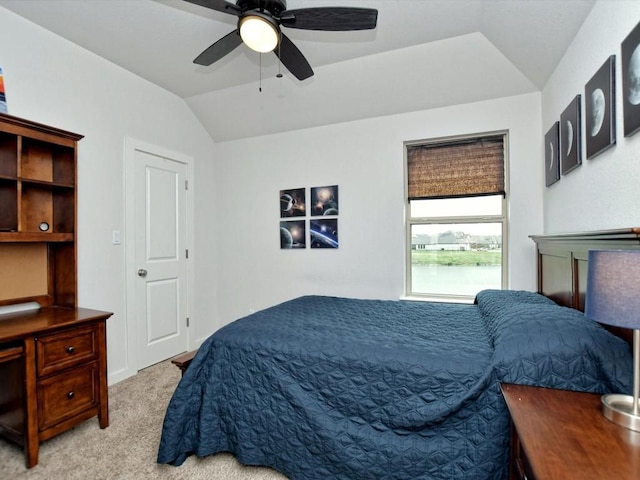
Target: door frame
<point>131,146</point>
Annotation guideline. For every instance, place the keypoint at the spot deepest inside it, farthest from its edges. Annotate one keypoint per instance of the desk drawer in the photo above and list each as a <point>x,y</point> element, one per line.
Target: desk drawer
<point>65,349</point>
<point>66,395</point>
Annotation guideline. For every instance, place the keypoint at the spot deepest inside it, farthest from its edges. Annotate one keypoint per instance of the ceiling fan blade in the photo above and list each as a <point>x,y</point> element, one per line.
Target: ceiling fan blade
<point>219,49</point>
<point>292,58</point>
<point>218,5</point>
<point>330,18</point>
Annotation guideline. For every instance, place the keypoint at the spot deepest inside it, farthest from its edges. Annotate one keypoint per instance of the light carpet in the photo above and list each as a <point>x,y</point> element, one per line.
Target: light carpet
<point>127,448</point>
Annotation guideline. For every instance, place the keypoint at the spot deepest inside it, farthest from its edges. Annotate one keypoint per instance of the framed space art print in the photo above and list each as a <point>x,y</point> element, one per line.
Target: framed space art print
<point>570,139</point>
<point>631,81</point>
<point>323,232</point>
<point>293,234</point>
<point>600,109</point>
<point>324,201</point>
<point>293,203</point>
<point>551,158</point>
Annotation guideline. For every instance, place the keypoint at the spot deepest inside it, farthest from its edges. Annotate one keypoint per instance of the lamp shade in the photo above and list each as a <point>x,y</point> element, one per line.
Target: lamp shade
<point>259,32</point>
<point>613,287</point>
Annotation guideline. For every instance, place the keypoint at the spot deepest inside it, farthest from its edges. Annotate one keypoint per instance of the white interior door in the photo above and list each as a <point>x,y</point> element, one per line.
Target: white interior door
<point>160,257</point>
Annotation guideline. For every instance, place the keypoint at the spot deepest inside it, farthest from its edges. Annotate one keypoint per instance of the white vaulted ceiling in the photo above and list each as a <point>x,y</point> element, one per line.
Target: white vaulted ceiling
<point>423,54</point>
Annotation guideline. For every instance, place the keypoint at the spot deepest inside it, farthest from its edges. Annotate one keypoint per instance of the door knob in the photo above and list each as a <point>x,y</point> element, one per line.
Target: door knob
<point>142,272</point>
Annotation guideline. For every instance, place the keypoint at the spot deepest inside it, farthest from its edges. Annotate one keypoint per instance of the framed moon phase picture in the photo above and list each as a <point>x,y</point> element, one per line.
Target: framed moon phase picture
<point>570,139</point>
<point>631,81</point>
<point>600,110</point>
<point>551,158</point>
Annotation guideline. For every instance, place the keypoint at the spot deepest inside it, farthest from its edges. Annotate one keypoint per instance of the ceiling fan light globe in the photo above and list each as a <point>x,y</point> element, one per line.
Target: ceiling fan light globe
<point>259,33</point>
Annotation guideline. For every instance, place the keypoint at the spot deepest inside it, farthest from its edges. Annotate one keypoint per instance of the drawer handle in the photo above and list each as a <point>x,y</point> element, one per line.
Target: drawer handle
<point>70,395</point>
<point>70,349</point>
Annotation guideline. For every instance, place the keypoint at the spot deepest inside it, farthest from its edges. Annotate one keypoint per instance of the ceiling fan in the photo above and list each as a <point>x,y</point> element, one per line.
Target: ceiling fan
<point>259,23</point>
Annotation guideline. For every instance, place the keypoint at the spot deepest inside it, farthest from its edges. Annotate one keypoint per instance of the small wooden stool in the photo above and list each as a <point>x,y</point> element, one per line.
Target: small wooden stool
<point>184,360</point>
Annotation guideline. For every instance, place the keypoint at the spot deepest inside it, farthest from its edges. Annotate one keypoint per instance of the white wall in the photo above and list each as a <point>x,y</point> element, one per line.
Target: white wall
<point>603,192</point>
<point>52,81</point>
<point>365,158</point>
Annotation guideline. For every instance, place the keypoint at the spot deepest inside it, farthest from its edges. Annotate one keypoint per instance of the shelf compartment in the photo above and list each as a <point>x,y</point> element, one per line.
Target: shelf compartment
<point>8,155</point>
<point>12,415</point>
<point>64,213</point>
<point>45,203</point>
<point>63,264</point>
<point>47,162</point>
<point>8,205</point>
<point>36,206</point>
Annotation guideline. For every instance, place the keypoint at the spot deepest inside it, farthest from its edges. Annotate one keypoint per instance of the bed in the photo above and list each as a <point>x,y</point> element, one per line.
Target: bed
<point>340,388</point>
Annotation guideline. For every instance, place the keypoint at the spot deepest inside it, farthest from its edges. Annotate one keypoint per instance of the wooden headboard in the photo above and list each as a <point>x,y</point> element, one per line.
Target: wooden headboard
<point>562,264</point>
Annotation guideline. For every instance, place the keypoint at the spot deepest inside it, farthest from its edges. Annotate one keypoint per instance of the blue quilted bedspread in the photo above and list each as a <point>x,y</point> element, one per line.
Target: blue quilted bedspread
<point>335,388</point>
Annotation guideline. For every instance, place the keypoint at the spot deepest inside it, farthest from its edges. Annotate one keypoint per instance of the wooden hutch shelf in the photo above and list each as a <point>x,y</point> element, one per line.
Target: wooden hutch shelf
<point>15,237</point>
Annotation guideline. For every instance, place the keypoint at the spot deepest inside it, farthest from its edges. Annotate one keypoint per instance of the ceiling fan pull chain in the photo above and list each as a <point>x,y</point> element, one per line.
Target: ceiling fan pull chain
<point>260,87</point>
<point>279,75</point>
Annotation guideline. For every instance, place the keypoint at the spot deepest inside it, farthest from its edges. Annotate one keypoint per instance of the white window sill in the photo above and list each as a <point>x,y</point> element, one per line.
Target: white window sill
<point>438,299</point>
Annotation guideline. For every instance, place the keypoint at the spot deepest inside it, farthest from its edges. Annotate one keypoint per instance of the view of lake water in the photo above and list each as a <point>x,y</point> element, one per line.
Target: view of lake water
<point>461,280</point>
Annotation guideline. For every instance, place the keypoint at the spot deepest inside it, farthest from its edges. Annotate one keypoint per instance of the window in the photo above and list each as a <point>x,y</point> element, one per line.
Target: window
<point>456,217</point>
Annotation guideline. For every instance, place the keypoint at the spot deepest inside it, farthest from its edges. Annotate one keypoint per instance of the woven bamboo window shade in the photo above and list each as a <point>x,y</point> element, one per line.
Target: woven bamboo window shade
<point>460,169</point>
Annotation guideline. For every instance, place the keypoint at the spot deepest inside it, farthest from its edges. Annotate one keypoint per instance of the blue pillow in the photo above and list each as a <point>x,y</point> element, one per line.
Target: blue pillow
<point>492,302</point>
<point>558,347</point>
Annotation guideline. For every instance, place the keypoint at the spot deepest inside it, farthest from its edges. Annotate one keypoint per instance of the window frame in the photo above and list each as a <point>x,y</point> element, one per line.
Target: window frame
<point>411,221</point>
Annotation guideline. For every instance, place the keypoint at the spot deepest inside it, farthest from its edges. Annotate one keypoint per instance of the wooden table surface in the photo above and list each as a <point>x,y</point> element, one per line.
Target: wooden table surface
<point>565,436</point>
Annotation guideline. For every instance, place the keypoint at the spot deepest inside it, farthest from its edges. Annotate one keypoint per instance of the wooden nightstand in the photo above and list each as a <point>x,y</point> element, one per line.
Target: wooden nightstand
<point>558,434</point>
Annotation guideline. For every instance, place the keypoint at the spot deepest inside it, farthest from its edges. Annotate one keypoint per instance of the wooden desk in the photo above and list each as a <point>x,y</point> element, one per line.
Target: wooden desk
<point>558,434</point>
<point>53,370</point>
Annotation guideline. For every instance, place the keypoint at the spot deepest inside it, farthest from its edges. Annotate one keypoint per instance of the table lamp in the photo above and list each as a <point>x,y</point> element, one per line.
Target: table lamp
<point>613,298</point>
